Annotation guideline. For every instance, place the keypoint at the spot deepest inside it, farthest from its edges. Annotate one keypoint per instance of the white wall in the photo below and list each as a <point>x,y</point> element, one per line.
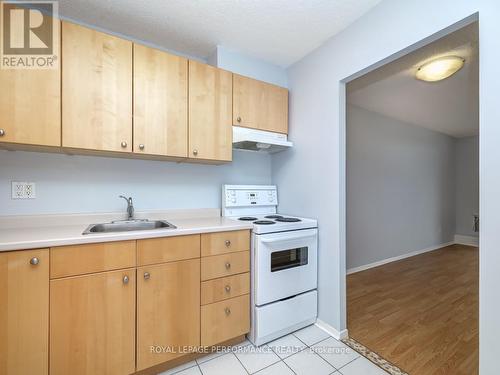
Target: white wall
<point>400,188</point>
<point>314,169</point>
<point>71,184</point>
<point>467,184</point>
<point>248,66</point>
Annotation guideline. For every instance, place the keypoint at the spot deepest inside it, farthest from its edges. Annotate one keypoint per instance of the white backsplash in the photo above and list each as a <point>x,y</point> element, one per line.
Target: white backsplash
<point>88,184</point>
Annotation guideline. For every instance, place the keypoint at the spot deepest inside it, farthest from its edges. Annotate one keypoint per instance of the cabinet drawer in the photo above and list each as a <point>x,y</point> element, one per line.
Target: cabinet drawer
<point>167,249</point>
<point>225,242</point>
<point>89,258</point>
<point>225,288</point>
<point>225,265</point>
<point>225,320</point>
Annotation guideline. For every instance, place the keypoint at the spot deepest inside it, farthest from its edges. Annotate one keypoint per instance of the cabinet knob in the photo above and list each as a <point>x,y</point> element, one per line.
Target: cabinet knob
<point>141,147</point>
<point>228,265</point>
<point>147,275</point>
<point>125,279</point>
<point>124,144</point>
<point>2,132</point>
<point>227,310</point>
<point>228,243</point>
<point>238,119</point>
<point>34,261</point>
<point>227,288</point>
<point>195,152</point>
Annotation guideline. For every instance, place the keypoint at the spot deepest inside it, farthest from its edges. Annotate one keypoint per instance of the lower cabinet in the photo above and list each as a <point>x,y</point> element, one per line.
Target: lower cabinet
<point>168,311</point>
<point>117,308</point>
<point>92,324</point>
<point>24,312</point>
<point>225,320</point>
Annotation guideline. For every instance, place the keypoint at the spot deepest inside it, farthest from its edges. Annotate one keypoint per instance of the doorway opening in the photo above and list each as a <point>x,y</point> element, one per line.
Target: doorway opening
<point>412,210</point>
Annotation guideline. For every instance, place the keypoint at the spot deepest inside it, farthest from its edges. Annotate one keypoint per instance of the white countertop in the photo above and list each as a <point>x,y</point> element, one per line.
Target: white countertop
<point>33,234</point>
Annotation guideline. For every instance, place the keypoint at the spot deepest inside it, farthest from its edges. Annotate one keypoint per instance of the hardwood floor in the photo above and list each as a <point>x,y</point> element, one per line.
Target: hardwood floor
<point>420,313</point>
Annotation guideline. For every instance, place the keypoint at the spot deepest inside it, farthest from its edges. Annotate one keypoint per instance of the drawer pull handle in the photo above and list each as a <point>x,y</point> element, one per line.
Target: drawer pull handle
<point>227,310</point>
<point>238,119</point>
<point>34,261</point>
<point>123,144</point>
<point>125,279</point>
<point>228,265</point>
<point>228,243</point>
<point>147,275</point>
<point>227,288</point>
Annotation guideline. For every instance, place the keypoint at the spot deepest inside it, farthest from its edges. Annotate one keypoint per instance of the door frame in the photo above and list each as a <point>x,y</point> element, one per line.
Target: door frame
<point>343,149</point>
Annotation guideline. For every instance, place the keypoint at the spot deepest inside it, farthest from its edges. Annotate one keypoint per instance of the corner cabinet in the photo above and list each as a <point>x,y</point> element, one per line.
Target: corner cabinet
<point>259,105</point>
<point>160,103</point>
<point>210,112</point>
<point>96,90</point>
<point>24,312</point>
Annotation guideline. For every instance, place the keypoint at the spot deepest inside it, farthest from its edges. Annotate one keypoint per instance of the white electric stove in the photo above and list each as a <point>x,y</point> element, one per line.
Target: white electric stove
<point>283,262</point>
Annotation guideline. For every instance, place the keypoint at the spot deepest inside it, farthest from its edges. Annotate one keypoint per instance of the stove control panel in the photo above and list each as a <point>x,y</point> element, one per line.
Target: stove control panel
<point>247,196</point>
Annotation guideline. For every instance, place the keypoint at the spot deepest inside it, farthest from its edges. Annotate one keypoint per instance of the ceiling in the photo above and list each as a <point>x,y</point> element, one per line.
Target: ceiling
<point>450,106</point>
<point>278,31</point>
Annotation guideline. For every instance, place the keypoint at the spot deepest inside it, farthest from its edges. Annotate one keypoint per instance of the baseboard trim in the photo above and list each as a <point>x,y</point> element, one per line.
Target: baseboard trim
<point>399,257</point>
<point>332,331</point>
<point>466,240</point>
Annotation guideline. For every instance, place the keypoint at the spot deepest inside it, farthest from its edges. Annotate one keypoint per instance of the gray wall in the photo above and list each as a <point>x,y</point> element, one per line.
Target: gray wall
<point>70,184</point>
<point>314,169</point>
<point>467,184</point>
<point>400,188</point>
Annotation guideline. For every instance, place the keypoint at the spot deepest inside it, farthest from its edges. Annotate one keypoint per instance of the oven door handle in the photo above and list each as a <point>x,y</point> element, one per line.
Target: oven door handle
<point>288,238</point>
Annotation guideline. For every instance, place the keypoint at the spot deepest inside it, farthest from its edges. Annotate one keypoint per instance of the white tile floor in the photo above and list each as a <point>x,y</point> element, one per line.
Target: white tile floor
<point>309,351</point>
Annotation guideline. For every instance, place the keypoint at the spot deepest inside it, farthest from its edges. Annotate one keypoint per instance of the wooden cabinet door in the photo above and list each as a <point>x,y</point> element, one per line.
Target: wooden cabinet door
<point>259,105</point>
<point>92,324</point>
<point>24,312</point>
<point>160,103</point>
<point>96,90</point>
<point>168,310</point>
<point>225,320</point>
<point>30,104</point>
<point>210,106</point>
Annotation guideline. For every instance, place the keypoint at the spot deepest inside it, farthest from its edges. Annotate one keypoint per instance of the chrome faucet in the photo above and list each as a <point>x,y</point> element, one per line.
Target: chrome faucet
<point>130,207</point>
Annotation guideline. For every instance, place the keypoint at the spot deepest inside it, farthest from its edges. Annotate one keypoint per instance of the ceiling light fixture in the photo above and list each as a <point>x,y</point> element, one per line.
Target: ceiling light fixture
<point>440,68</point>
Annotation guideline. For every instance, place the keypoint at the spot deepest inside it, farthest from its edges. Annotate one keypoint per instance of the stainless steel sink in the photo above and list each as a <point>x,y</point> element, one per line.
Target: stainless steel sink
<point>128,226</point>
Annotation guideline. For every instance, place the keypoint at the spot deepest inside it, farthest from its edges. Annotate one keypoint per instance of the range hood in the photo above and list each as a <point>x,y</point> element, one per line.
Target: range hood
<point>259,140</point>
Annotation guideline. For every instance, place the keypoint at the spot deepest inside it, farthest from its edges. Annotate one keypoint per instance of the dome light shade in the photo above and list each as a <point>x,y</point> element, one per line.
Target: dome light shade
<point>440,68</point>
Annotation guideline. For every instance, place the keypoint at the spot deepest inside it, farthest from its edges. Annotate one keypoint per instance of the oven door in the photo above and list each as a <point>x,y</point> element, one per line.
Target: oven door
<point>284,264</point>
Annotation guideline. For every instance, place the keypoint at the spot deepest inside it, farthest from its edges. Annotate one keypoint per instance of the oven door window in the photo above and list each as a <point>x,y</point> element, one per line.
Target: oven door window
<point>284,259</point>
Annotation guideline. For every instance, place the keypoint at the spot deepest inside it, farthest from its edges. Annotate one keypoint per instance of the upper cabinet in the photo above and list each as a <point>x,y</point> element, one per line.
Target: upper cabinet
<point>210,111</point>
<point>113,96</point>
<point>160,103</point>
<point>259,105</point>
<point>96,90</point>
<point>30,105</point>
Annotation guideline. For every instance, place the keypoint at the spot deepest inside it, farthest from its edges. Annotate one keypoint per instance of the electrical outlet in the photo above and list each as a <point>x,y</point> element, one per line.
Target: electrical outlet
<point>23,190</point>
<point>30,190</point>
<point>17,190</point>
